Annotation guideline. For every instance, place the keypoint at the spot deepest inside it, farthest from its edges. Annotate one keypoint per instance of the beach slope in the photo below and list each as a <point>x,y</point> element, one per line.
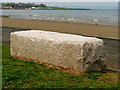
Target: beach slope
<point>65,27</point>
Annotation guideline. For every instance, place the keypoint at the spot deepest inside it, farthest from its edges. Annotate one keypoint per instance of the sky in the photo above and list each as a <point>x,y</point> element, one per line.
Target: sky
<point>89,5</point>
<point>60,0</point>
<point>92,4</point>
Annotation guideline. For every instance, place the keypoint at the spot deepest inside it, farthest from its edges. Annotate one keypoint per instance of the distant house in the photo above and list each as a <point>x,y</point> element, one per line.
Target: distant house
<point>33,7</point>
<point>18,7</point>
<point>7,7</point>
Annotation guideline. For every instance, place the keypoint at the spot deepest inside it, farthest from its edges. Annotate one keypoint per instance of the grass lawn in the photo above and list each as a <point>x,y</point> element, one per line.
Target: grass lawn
<point>25,74</point>
<point>4,16</point>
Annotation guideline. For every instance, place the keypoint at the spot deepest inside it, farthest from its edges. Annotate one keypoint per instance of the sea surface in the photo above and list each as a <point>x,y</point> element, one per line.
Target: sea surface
<point>95,16</point>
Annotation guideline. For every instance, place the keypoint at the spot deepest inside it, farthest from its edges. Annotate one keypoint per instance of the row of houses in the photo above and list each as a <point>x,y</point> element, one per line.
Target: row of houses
<point>22,6</point>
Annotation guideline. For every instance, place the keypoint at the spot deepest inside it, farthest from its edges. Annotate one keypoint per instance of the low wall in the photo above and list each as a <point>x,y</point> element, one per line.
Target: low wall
<point>74,52</point>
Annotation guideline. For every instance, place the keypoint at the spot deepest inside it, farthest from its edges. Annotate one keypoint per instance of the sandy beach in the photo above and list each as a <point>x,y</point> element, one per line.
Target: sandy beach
<point>65,27</point>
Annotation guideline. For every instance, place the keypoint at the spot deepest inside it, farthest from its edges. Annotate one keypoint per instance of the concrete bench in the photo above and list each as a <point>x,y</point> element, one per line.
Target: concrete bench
<point>65,50</point>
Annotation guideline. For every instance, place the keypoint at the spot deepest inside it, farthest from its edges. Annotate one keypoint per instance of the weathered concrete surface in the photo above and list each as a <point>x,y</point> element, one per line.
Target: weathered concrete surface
<point>65,50</point>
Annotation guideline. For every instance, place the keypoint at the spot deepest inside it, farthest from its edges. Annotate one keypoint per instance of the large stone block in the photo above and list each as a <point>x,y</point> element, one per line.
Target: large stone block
<point>74,52</point>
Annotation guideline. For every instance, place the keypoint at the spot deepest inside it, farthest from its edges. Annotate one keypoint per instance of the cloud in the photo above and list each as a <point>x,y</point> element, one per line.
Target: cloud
<point>60,1</point>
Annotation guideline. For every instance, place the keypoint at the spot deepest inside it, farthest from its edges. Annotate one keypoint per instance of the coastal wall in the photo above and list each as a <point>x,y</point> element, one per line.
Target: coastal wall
<point>68,51</point>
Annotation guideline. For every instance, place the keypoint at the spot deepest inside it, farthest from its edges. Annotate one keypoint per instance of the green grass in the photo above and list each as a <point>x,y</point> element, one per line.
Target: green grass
<point>4,16</point>
<point>25,74</point>
<point>56,7</point>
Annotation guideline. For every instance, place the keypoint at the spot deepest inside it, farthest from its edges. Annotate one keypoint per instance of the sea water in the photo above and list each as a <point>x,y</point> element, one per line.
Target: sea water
<point>95,16</point>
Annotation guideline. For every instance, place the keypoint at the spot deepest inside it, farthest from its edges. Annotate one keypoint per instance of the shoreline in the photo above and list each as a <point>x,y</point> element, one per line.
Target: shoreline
<point>105,31</point>
<point>45,9</point>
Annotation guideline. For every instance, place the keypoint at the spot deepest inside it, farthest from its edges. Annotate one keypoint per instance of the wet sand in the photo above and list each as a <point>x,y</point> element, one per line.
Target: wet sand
<point>111,46</point>
<point>74,28</point>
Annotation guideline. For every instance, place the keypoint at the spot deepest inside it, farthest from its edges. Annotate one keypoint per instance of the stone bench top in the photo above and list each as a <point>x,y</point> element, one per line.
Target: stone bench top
<point>58,49</point>
<point>57,37</point>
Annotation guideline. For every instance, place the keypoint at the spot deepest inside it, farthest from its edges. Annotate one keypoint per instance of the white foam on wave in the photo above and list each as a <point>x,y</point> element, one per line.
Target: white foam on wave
<point>95,19</point>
